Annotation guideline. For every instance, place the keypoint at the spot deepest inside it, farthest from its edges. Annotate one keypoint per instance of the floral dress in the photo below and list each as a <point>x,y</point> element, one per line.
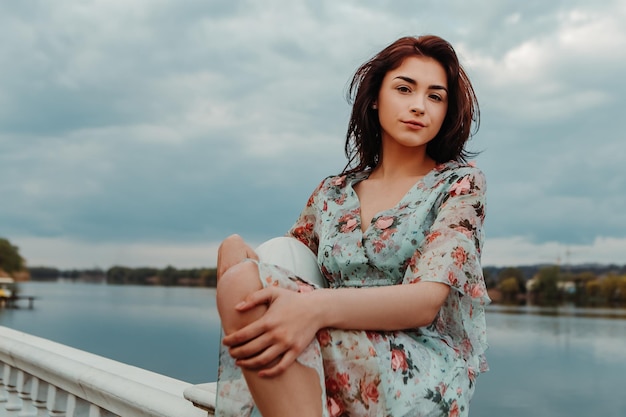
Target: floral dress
<point>434,233</point>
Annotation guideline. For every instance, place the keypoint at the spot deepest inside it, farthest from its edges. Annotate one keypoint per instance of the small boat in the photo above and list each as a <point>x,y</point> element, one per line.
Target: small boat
<point>7,285</point>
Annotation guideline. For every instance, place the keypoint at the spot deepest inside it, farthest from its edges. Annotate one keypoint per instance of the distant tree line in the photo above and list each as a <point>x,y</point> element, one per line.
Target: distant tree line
<point>199,277</point>
<point>592,286</point>
<point>45,273</point>
<point>121,275</point>
<point>584,285</point>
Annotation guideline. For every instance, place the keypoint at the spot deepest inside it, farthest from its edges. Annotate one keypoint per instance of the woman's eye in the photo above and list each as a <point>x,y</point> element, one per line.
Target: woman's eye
<point>436,97</point>
<point>404,89</point>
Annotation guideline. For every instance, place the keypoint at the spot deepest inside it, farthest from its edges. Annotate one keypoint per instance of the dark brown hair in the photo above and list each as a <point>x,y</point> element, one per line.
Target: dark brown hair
<point>363,144</point>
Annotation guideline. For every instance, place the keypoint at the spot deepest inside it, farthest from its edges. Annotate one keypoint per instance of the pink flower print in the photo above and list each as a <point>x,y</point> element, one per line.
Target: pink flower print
<point>442,388</point>
<point>474,290</point>
<point>369,391</point>
<point>432,236</point>
<point>471,374</point>
<point>338,181</point>
<point>302,232</point>
<point>334,407</point>
<point>384,222</point>
<point>332,386</point>
<point>349,226</point>
<point>323,337</point>
<point>398,360</point>
<point>452,279</point>
<point>461,187</point>
<point>412,264</point>
<point>386,234</point>
<point>347,223</point>
<point>378,245</point>
<point>454,409</point>
<point>343,379</point>
<point>460,256</point>
<point>465,231</point>
<point>466,347</point>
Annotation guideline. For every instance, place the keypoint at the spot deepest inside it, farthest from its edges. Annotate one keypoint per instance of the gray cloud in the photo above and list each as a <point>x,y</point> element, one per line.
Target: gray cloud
<point>185,122</point>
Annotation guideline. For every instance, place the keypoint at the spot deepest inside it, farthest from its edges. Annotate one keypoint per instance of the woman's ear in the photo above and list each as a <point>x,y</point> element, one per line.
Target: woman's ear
<point>375,105</point>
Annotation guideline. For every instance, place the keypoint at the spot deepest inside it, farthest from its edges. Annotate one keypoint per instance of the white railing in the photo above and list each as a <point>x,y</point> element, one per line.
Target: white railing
<point>41,378</point>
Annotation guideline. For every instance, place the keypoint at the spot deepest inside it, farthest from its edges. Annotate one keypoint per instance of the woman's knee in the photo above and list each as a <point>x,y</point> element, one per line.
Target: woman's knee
<point>232,287</point>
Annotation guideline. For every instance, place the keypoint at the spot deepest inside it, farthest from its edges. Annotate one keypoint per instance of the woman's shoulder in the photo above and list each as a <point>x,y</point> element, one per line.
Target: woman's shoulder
<point>459,168</point>
<point>447,175</point>
<point>340,181</point>
<point>455,170</point>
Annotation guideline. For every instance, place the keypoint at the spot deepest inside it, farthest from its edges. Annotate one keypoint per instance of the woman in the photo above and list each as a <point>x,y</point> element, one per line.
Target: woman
<point>400,331</point>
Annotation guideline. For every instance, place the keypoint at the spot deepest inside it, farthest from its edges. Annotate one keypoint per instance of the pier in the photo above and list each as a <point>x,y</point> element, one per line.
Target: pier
<point>13,301</point>
<point>42,378</point>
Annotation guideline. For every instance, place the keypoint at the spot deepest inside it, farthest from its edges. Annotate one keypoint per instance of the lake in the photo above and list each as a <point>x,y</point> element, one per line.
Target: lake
<point>543,364</point>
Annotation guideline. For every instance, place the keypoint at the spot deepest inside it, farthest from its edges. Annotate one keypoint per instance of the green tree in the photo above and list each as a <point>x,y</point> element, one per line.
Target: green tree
<point>509,288</point>
<point>168,276</point>
<point>516,273</point>
<point>547,288</point>
<point>593,288</point>
<point>582,280</point>
<point>610,288</point>
<point>621,290</point>
<point>10,259</point>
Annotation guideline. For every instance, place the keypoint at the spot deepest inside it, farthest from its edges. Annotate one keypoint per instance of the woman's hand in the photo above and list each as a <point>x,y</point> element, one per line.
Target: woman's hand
<point>274,341</point>
<point>232,251</point>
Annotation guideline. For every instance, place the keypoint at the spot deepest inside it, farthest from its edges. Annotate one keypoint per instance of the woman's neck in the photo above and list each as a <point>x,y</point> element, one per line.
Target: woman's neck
<point>402,162</point>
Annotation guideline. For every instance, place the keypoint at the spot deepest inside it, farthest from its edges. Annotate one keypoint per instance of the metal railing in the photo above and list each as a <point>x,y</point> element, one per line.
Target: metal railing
<point>41,378</point>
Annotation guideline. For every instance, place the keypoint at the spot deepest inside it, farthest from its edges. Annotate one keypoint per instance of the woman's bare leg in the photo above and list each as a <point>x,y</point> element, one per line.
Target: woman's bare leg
<point>296,391</point>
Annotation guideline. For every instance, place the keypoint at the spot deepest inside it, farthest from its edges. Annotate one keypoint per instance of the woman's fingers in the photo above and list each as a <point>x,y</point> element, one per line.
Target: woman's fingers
<point>262,296</point>
<point>242,336</point>
<point>285,362</point>
<point>263,359</point>
<point>254,329</point>
<point>251,348</point>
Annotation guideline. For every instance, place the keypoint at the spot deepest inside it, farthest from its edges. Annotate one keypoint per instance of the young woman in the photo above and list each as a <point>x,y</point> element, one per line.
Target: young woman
<point>400,330</point>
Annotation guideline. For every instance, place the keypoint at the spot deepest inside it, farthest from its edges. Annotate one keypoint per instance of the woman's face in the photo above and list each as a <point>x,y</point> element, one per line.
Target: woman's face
<point>412,102</point>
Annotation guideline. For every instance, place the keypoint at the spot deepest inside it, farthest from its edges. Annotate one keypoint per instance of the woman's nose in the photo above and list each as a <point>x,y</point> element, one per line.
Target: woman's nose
<point>417,106</point>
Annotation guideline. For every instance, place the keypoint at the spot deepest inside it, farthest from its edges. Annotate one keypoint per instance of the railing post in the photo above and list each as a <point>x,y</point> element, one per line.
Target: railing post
<point>14,404</point>
<point>39,392</point>
<point>3,390</point>
<point>24,391</point>
<point>58,401</point>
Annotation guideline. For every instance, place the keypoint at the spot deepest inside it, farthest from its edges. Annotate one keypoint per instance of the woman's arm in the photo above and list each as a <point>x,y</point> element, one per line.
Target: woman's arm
<point>394,307</point>
<point>273,342</point>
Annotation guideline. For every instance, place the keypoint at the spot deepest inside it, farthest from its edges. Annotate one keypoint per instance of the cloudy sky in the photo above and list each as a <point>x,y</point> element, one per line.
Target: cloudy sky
<point>143,132</point>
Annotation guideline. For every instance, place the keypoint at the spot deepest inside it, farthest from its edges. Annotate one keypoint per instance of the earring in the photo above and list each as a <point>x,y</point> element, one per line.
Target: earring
<point>374,106</point>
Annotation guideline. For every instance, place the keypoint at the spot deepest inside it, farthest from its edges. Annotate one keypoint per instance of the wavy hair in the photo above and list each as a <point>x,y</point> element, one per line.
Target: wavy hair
<point>363,139</point>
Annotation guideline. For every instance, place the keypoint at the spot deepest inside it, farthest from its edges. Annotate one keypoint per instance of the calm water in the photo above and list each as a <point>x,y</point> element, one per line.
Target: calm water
<point>542,365</point>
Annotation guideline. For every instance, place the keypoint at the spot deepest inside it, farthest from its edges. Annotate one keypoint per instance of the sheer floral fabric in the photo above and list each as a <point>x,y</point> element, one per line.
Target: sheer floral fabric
<point>434,233</point>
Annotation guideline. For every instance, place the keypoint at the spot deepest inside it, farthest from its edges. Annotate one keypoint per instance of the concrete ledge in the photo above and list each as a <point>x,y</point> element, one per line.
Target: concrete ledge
<point>121,389</point>
<point>202,395</point>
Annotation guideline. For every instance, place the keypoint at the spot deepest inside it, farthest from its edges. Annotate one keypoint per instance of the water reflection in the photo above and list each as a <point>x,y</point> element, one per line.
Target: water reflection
<point>544,362</point>
<point>565,310</point>
<point>553,365</point>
